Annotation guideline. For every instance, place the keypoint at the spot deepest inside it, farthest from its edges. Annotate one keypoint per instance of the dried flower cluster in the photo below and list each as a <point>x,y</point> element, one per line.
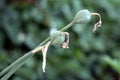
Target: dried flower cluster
<point>84,16</point>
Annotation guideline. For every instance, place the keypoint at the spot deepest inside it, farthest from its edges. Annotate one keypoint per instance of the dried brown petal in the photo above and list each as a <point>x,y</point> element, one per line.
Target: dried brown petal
<point>65,44</point>
<point>98,24</point>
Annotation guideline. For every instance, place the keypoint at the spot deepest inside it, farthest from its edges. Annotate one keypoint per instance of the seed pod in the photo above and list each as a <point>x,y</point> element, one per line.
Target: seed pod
<point>83,16</point>
<point>57,38</point>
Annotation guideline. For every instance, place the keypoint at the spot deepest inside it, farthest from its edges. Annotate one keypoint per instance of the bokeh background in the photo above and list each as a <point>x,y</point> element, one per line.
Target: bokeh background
<point>91,56</point>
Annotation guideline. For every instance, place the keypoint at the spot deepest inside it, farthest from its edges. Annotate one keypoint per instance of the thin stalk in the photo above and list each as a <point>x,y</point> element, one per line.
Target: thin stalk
<point>21,59</point>
<point>67,26</point>
<point>17,66</point>
<point>44,42</point>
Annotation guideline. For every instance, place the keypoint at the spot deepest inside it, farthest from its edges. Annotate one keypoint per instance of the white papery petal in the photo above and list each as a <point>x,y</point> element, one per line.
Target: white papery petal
<point>44,51</point>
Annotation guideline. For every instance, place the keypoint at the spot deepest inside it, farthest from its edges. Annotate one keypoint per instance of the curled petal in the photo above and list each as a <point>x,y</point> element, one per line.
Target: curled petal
<point>65,44</point>
<point>99,23</point>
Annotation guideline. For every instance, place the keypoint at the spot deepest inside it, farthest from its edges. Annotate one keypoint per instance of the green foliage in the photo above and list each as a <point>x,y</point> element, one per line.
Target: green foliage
<point>89,57</point>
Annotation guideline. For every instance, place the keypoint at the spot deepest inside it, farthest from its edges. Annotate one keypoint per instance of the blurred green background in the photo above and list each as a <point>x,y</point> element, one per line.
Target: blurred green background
<point>91,56</point>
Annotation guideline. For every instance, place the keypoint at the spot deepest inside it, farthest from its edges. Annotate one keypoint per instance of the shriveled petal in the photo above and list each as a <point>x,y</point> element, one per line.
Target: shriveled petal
<point>44,51</point>
<point>65,44</point>
<point>99,23</point>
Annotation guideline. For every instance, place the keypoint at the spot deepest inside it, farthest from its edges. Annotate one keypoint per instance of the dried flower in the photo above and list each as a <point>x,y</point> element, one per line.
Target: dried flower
<point>98,24</point>
<point>59,38</point>
<point>65,44</point>
<point>84,16</point>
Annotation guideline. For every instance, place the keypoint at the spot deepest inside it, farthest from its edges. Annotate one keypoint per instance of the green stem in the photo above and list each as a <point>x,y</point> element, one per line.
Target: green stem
<point>44,42</point>
<point>17,64</point>
<point>21,59</point>
<point>67,26</point>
